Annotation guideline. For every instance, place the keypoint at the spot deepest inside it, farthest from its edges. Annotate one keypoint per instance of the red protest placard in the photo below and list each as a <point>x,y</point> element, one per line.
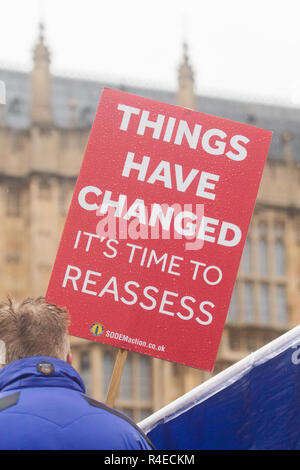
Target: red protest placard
<point>156,228</point>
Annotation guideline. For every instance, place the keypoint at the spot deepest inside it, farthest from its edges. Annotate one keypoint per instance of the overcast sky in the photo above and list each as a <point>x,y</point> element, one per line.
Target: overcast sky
<point>248,49</point>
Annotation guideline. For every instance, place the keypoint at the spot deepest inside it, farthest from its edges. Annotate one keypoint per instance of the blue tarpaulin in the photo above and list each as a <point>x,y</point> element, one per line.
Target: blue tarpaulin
<point>254,404</point>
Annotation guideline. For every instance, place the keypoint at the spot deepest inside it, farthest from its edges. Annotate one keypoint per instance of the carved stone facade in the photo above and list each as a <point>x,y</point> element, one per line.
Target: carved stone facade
<point>43,133</point>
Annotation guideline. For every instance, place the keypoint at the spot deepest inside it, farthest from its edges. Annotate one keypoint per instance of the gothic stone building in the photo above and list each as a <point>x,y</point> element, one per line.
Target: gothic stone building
<point>44,128</point>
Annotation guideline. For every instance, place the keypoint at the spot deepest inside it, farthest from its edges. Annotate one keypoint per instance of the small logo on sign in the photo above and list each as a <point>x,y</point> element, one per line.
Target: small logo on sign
<point>96,329</point>
<point>45,368</point>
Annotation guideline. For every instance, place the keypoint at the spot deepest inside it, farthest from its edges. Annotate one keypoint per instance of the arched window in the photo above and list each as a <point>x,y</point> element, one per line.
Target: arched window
<point>247,257</point>
<point>263,264</point>
<point>262,251</point>
<point>279,249</point>
<point>135,394</point>
<point>144,378</point>
<point>248,302</point>
<point>281,305</point>
<point>264,303</point>
<point>279,257</point>
<point>233,308</point>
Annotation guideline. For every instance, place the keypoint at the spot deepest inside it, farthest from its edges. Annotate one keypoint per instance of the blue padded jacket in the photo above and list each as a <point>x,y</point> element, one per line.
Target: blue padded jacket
<point>43,406</point>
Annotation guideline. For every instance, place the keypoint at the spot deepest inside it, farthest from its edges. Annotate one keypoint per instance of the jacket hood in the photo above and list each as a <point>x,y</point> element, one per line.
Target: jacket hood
<point>40,371</point>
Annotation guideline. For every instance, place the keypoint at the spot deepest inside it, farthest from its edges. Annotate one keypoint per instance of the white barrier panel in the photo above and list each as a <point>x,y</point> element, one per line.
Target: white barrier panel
<point>254,404</point>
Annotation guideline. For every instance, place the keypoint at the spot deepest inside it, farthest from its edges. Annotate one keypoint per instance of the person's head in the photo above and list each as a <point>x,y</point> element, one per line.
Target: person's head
<point>34,327</point>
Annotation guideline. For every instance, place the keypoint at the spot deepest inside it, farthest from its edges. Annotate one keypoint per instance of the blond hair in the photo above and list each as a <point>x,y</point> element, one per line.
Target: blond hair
<point>33,327</point>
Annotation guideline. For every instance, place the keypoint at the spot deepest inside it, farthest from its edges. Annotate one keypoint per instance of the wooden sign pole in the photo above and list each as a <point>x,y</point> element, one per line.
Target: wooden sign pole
<point>115,380</point>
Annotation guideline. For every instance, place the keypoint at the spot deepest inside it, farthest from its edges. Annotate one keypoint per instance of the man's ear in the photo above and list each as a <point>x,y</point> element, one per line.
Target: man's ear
<point>69,358</point>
